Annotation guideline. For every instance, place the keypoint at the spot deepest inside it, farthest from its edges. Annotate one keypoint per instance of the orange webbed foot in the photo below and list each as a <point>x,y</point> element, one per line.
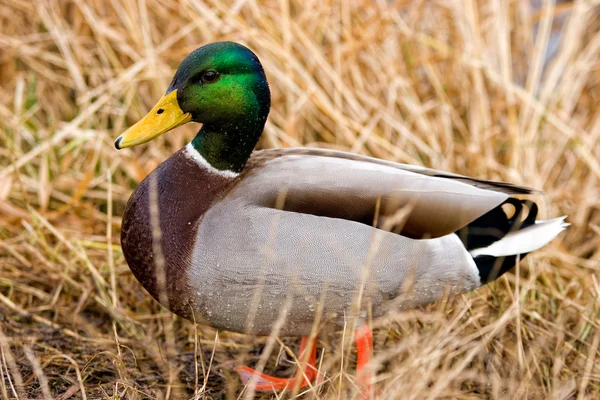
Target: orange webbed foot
<point>363,339</point>
<point>264,382</point>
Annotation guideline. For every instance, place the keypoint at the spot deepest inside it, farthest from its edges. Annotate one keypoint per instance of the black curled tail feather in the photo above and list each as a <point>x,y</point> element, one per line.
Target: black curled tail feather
<point>493,226</point>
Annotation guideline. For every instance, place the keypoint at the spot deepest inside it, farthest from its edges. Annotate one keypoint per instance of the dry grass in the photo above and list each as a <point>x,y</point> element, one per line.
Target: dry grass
<point>463,86</point>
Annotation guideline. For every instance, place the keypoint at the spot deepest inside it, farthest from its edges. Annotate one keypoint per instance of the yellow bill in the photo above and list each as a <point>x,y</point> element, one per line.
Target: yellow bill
<point>165,116</point>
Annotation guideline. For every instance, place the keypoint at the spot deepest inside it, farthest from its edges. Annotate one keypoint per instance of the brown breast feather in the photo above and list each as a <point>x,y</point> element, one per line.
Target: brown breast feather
<point>185,191</point>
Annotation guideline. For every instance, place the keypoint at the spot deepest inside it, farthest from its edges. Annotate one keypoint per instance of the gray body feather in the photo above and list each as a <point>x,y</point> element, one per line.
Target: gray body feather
<point>314,251</point>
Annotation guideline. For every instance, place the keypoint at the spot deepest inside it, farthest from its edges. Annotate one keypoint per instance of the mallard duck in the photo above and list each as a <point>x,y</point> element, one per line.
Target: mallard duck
<point>287,239</point>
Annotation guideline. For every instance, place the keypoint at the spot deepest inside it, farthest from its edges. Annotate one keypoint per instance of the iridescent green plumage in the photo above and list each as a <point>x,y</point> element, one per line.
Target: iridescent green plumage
<point>233,108</point>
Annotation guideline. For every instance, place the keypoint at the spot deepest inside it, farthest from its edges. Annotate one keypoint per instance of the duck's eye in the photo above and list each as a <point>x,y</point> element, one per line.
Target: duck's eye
<point>210,76</point>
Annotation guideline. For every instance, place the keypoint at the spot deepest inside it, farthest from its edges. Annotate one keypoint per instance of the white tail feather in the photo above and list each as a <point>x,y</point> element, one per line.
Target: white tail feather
<point>524,240</point>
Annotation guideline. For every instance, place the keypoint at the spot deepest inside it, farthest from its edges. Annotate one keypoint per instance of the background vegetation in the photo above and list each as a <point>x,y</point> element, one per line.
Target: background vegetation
<point>483,88</point>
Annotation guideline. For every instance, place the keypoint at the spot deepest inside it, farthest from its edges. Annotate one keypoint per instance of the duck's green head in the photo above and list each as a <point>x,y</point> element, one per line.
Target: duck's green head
<point>221,85</point>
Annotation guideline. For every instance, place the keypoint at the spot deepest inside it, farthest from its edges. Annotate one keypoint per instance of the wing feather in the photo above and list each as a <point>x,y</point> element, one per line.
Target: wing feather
<point>262,156</point>
<point>427,203</point>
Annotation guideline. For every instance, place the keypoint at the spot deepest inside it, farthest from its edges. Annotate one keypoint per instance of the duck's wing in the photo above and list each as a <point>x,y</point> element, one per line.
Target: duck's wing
<point>262,156</point>
<point>418,201</point>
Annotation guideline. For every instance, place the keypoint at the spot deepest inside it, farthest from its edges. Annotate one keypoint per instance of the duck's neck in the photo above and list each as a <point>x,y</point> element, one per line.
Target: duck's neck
<point>228,147</point>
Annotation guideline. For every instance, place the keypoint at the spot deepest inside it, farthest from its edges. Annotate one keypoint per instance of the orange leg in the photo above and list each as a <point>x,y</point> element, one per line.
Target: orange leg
<point>264,382</point>
<point>363,338</point>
